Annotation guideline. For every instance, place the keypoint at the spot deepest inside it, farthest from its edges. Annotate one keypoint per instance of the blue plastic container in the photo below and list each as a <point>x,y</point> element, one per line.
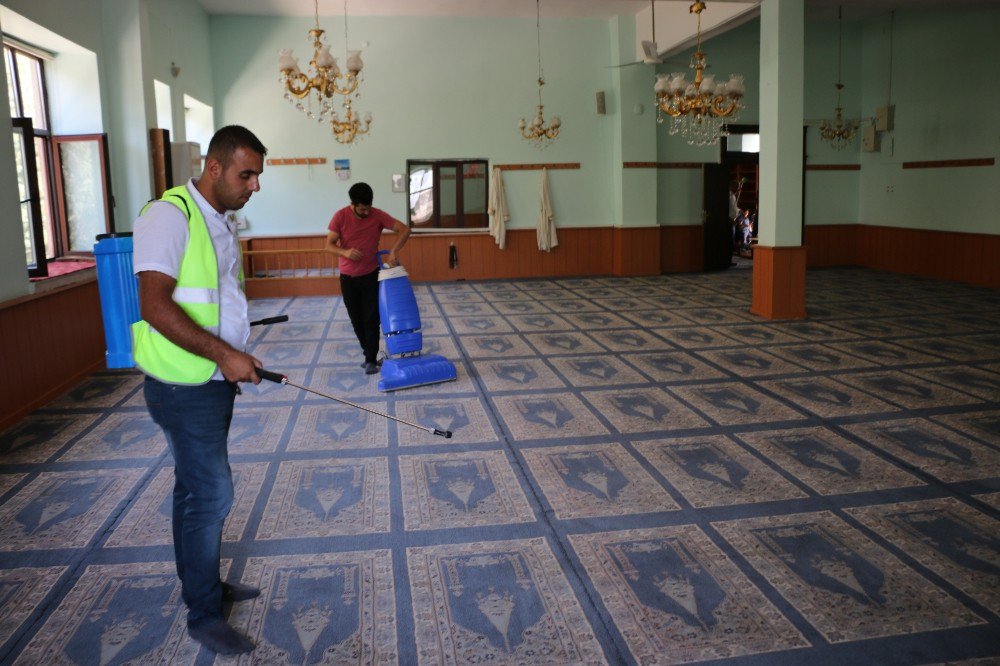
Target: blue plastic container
<point>119,291</point>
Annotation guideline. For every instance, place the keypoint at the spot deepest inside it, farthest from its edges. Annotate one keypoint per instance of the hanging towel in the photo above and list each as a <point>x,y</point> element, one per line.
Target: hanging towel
<point>546,220</point>
<point>498,208</point>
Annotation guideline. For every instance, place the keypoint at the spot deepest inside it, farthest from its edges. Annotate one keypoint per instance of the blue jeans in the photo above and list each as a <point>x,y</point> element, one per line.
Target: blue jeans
<point>195,420</point>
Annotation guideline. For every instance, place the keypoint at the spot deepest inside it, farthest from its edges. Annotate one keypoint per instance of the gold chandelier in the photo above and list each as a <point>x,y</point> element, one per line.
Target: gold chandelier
<point>324,80</point>
<point>537,130</point>
<point>698,109</point>
<point>350,128</point>
<point>838,133</point>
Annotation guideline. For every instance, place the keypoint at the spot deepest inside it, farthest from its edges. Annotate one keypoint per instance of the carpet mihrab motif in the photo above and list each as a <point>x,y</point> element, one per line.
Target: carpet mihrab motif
<point>641,472</point>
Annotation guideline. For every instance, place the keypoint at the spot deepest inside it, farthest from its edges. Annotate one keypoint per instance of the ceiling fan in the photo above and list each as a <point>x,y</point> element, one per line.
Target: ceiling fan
<point>650,52</point>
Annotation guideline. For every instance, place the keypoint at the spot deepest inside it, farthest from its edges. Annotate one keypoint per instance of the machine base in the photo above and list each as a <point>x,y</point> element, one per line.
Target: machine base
<point>410,371</point>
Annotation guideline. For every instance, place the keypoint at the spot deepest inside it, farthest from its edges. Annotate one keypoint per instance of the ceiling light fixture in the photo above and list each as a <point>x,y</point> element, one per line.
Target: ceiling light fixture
<point>323,81</point>
<point>839,133</point>
<point>537,130</point>
<point>698,108</point>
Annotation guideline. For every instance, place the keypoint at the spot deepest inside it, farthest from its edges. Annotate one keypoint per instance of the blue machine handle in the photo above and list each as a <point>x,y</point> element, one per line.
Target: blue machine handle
<point>379,254</point>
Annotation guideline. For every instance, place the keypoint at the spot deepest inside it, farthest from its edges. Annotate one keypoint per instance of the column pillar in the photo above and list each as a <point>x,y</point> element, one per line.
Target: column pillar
<point>779,272</point>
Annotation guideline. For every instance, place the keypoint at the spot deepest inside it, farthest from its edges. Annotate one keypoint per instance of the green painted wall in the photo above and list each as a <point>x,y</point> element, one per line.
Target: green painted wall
<point>457,87</point>
<point>179,33</point>
<point>679,190</point>
<point>956,46</point>
<point>946,97</point>
<point>831,196</point>
<point>437,88</point>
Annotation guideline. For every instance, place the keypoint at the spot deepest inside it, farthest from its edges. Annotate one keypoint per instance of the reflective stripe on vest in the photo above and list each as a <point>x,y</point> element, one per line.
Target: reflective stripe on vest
<point>196,292</point>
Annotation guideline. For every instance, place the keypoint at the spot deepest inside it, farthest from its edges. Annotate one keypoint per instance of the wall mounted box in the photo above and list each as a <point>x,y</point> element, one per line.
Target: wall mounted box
<point>869,138</point>
<point>884,117</point>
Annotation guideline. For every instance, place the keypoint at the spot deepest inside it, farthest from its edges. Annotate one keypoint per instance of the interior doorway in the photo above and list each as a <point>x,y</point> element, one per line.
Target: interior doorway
<point>739,166</point>
<point>741,159</point>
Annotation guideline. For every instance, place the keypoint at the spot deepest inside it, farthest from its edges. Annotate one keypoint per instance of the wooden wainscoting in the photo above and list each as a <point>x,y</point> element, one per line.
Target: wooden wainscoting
<point>779,282</point>
<point>581,251</point>
<point>50,342</point>
<point>946,255</point>
<point>681,249</point>
<point>288,266</point>
<point>636,251</point>
<point>832,245</point>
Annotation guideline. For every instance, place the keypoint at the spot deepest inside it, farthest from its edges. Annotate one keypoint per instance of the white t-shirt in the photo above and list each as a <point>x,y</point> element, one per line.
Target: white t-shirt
<point>159,240</point>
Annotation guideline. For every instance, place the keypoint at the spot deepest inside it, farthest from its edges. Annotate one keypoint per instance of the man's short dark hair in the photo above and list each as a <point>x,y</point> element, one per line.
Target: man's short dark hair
<point>361,194</point>
<point>231,138</point>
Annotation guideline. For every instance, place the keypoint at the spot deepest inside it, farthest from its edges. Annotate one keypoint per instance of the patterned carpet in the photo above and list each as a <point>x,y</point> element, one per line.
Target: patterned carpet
<point>641,473</point>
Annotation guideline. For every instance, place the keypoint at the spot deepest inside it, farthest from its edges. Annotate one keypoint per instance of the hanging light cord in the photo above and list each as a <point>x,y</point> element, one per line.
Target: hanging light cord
<point>892,16</point>
<point>316,8</point>
<point>345,29</point>
<point>538,33</point>
<point>698,48</point>
<point>840,45</point>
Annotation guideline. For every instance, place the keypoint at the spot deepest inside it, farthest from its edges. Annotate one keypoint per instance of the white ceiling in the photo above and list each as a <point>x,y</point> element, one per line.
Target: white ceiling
<point>816,9</point>
<point>477,8</point>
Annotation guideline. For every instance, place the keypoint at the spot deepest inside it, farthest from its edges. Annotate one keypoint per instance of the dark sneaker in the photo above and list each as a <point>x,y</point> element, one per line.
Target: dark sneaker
<point>232,592</point>
<point>371,368</point>
<point>220,638</point>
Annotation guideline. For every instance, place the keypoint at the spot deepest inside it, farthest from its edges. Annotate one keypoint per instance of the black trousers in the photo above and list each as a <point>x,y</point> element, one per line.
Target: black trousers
<point>360,294</point>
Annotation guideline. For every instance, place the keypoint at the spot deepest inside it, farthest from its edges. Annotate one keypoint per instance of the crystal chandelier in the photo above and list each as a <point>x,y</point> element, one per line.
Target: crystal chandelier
<point>697,109</point>
<point>536,130</point>
<point>838,133</point>
<point>323,81</point>
<point>350,128</point>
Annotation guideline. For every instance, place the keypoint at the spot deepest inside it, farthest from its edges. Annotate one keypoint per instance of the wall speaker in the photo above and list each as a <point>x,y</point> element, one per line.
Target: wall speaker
<point>601,109</point>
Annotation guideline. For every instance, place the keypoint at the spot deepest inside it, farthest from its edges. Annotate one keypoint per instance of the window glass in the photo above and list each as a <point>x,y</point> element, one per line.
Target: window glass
<point>44,188</point>
<point>474,196</point>
<point>8,61</point>
<point>29,74</point>
<point>22,193</point>
<point>447,194</point>
<point>83,191</point>
<point>449,197</point>
<point>421,195</point>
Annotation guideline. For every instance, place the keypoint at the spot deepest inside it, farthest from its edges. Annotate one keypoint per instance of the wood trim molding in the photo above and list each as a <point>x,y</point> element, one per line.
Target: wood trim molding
<point>833,167</point>
<point>662,165</point>
<point>289,161</point>
<point>537,167</point>
<point>944,164</point>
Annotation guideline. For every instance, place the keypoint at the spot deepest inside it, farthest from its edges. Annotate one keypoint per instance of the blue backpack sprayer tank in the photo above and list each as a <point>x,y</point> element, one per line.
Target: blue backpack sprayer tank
<point>405,366</point>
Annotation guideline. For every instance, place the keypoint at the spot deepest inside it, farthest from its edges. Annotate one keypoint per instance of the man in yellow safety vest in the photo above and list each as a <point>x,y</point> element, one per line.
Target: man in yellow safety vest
<point>190,344</point>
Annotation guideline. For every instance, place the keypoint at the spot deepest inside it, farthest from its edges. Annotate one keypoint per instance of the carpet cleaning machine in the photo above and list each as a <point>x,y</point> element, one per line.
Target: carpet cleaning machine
<point>405,366</point>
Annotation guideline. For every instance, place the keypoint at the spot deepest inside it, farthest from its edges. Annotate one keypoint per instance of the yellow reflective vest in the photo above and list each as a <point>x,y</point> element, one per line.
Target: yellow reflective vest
<point>197,293</point>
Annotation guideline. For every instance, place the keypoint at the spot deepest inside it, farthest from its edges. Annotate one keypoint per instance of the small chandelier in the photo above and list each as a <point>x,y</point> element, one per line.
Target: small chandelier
<point>351,127</point>
<point>536,130</point>
<point>838,133</point>
<point>323,81</point>
<point>698,108</point>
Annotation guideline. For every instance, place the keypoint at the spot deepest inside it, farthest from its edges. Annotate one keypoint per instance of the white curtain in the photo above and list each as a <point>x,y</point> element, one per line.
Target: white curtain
<point>546,220</point>
<point>498,208</point>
